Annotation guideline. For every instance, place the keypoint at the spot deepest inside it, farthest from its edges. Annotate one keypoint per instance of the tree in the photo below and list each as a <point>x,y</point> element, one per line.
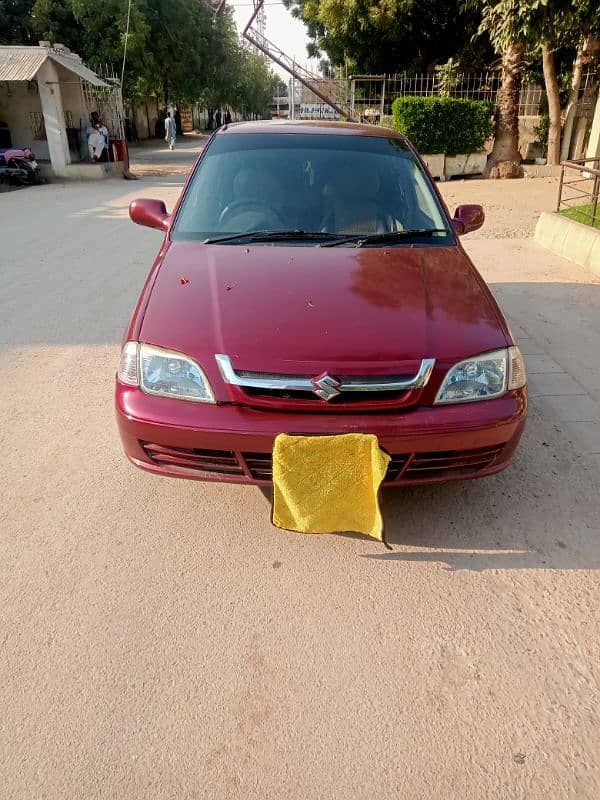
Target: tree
<point>501,20</point>
<point>542,26</point>
<point>256,85</point>
<point>54,21</point>
<point>554,23</point>
<point>15,22</point>
<point>176,49</point>
<point>573,98</point>
<point>96,33</point>
<point>385,36</point>
<point>224,63</point>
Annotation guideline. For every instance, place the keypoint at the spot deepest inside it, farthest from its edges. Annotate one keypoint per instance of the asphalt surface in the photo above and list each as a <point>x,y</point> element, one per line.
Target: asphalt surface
<point>160,639</point>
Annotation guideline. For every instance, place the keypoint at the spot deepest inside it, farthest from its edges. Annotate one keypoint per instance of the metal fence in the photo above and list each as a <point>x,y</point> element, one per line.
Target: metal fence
<point>469,86</point>
<point>579,188</point>
<point>371,96</point>
<point>530,99</point>
<point>106,100</point>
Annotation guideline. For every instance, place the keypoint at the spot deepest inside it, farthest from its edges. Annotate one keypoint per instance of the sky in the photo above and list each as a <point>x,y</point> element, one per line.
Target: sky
<point>282,29</point>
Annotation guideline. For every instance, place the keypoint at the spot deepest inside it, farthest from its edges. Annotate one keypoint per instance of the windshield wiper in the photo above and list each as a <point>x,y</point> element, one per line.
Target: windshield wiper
<point>274,236</point>
<point>392,236</point>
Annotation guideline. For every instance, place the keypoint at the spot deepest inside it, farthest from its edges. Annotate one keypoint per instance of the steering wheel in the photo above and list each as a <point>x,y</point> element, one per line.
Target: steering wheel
<point>239,207</point>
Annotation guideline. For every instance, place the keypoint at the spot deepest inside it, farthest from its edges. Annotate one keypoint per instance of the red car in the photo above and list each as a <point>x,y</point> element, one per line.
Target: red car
<point>312,281</point>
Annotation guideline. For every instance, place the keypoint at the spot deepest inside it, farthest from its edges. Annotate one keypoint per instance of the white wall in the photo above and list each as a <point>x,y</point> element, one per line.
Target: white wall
<point>527,136</point>
<point>145,111</point>
<point>17,101</point>
<point>72,99</point>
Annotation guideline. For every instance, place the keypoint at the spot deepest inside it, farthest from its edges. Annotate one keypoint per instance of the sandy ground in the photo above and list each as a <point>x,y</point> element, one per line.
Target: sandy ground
<point>161,640</point>
<point>512,207</point>
<point>152,158</point>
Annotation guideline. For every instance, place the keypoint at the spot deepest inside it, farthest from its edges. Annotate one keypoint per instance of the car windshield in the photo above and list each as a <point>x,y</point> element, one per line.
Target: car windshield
<point>290,184</point>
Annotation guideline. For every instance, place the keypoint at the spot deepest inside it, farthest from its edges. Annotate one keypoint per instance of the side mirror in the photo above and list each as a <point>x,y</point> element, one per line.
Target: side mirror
<point>151,213</point>
<point>467,219</point>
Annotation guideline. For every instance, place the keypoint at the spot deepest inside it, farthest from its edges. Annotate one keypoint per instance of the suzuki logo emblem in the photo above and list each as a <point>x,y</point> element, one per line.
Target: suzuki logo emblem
<point>326,387</point>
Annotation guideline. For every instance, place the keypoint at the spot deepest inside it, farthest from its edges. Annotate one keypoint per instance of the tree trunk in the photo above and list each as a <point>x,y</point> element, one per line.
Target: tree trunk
<point>506,139</point>
<point>572,104</point>
<point>553,95</point>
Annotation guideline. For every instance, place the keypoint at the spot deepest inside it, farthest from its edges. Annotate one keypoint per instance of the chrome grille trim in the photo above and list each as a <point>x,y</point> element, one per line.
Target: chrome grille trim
<point>303,383</point>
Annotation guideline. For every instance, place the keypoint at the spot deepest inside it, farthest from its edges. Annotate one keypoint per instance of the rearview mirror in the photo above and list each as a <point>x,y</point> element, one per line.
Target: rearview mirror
<point>151,213</point>
<point>468,218</point>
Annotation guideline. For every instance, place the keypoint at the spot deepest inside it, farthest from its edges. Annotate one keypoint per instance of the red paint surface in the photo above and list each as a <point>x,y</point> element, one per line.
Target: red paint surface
<point>176,423</point>
<point>309,310</point>
<point>369,315</point>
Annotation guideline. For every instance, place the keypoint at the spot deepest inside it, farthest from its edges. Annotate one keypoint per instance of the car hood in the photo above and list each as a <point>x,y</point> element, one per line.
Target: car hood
<point>303,310</point>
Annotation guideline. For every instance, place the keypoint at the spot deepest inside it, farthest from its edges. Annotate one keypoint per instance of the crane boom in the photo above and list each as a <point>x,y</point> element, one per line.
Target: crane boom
<point>329,92</point>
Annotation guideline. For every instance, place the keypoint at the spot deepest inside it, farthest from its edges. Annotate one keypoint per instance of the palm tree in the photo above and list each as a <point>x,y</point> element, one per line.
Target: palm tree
<point>501,20</point>
<point>506,139</point>
<point>514,25</point>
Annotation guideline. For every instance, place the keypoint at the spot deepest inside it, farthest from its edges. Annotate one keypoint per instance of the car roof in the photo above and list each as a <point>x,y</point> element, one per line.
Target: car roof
<point>310,126</point>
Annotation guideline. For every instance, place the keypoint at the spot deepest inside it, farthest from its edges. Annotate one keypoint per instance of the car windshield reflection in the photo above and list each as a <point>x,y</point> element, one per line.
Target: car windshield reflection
<point>307,189</point>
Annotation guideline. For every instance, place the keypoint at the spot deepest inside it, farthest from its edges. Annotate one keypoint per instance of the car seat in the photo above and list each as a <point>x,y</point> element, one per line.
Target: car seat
<point>256,201</point>
<point>351,203</point>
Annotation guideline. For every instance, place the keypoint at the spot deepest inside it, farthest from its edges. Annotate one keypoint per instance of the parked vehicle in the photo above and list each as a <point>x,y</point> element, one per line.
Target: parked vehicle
<point>312,281</point>
<point>19,167</point>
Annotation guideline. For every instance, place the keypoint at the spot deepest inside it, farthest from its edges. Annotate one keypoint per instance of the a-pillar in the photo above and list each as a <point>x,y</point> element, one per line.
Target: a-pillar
<point>54,118</point>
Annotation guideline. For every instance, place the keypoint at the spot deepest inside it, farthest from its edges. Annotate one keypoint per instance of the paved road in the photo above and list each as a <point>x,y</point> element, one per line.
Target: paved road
<point>161,640</point>
<point>153,157</point>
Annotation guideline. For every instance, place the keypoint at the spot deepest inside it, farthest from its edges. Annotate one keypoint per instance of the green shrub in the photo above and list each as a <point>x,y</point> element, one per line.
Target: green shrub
<point>541,131</point>
<point>444,124</point>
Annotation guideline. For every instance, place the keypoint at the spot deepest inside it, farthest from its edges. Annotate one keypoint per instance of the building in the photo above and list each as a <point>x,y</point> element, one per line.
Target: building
<point>46,97</point>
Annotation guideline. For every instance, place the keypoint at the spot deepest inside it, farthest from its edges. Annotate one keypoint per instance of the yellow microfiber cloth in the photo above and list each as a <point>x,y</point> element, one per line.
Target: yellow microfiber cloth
<point>328,484</point>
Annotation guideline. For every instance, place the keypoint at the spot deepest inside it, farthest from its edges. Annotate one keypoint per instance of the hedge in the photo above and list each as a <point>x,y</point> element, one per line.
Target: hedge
<point>444,124</point>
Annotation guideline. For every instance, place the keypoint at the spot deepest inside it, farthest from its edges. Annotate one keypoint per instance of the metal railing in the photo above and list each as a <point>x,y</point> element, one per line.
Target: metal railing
<point>579,188</point>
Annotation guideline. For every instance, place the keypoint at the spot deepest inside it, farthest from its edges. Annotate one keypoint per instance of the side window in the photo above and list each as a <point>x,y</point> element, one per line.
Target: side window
<point>425,201</point>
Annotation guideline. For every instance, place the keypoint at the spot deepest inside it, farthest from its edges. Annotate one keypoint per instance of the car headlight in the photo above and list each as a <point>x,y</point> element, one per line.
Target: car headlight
<point>164,373</point>
<point>483,377</point>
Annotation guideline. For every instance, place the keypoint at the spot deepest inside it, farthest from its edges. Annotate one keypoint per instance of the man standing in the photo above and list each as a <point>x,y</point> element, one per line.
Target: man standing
<point>170,131</point>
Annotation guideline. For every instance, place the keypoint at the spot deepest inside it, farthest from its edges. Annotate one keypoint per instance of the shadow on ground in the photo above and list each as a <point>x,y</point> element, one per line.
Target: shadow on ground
<point>523,518</point>
<point>75,285</point>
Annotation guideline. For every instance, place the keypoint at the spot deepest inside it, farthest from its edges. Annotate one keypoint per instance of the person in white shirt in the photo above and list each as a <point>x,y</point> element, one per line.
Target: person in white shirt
<point>96,133</point>
<point>170,130</point>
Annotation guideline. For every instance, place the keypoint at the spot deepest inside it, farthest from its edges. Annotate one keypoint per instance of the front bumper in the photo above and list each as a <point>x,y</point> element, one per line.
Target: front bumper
<point>234,444</point>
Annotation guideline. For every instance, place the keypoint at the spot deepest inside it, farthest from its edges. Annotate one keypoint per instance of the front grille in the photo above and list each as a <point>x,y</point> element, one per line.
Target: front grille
<point>396,466</point>
<point>450,463</point>
<point>319,393</point>
<point>259,466</point>
<point>345,398</point>
<point>221,462</point>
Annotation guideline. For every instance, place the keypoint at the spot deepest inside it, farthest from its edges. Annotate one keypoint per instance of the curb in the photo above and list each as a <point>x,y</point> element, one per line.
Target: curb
<point>542,170</point>
<point>572,240</point>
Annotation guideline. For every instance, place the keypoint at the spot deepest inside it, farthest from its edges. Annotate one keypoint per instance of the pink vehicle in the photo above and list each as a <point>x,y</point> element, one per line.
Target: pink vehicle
<point>18,166</point>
